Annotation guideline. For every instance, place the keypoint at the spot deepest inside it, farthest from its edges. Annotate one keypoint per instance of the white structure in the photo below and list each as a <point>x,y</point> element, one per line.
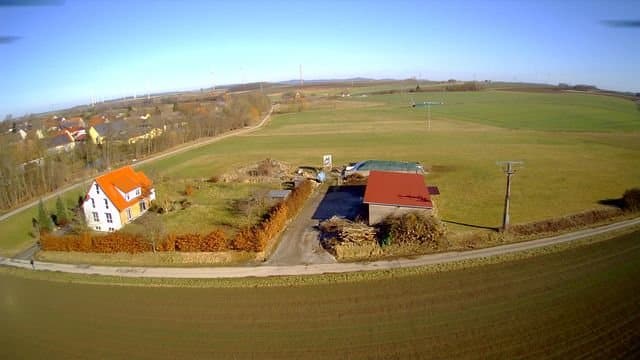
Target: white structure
<point>117,198</point>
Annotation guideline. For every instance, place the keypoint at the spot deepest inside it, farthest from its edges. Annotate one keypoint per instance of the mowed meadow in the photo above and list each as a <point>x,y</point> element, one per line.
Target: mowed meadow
<point>577,303</point>
<point>578,149</point>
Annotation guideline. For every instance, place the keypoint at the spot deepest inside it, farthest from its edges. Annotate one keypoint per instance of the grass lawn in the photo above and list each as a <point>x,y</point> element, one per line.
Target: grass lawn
<point>15,231</point>
<point>212,206</point>
<point>580,302</point>
<point>578,149</point>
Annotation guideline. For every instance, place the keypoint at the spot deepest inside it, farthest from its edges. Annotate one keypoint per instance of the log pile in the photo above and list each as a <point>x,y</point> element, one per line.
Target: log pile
<point>346,231</point>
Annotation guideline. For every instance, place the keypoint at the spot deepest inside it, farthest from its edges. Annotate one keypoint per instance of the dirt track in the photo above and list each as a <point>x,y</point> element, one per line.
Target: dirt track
<point>270,270</point>
<point>299,243</point>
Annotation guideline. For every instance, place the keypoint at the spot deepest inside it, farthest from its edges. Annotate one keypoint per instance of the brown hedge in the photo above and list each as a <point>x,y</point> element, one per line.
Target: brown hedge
<point>124,242</point>
<point>109,243</point>
<point>256,237</point>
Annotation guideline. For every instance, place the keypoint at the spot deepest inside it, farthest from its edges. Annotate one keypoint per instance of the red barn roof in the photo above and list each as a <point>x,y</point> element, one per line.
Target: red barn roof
<point>399,189</point>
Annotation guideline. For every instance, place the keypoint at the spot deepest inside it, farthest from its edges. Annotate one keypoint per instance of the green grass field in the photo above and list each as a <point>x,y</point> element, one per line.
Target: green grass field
<point>578,149</point>
<point>581,302</point>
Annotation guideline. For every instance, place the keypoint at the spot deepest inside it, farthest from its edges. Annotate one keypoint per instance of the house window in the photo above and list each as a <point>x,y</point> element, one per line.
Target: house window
<point>93,203</point>
<point>143,206</point>
<point>129,214</point>
<point>97,189</point>
<point>97,227</point>
<point>109,218</point>
<point>95,217</point>
<point>112,229</point>
<point>106,203</point>
<point>137,191</point>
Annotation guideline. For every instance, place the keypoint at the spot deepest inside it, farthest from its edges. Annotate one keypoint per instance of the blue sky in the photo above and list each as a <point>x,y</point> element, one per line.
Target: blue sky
<point>69,52</point>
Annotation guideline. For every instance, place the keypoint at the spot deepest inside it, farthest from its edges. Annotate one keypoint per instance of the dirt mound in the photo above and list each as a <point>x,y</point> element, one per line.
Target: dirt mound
<point>267,170</point>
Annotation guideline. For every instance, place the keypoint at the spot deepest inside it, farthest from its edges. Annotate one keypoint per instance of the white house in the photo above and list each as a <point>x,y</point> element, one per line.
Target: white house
<point>117,198</point>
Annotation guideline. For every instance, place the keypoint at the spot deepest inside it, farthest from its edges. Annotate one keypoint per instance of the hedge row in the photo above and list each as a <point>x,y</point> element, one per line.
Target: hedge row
<point>123,242</point>
<point>256,237</point>
<point>564,223</point>
<point>110,243</point>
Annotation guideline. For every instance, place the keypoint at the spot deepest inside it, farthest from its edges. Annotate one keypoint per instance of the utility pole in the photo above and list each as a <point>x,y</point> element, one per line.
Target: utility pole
<point>509,168</point>
<point>301,81</point>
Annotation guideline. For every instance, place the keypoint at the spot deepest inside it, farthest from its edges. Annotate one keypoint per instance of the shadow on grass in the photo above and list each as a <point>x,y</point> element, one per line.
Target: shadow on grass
<point>471,225</point>
<point>618,203</point>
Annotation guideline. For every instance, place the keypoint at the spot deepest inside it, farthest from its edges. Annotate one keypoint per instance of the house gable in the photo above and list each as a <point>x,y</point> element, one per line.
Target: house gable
<point>114,199</point>
<point>100,212</point>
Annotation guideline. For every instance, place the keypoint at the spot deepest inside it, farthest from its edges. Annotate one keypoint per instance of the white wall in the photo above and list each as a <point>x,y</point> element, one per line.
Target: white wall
<point>102,225</point>
<point>131,194</point>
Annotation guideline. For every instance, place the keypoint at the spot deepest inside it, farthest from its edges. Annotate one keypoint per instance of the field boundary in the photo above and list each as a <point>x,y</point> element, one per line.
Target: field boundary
<point>316,269</point>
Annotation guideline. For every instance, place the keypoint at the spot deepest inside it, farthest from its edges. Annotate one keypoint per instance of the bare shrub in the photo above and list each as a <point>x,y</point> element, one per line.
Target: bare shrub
<point>355,179</point>
<point>631,199</point>
<point>413,228</point>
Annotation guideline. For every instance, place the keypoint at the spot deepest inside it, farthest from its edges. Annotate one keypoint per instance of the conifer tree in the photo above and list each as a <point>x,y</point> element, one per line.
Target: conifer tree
<point>44,220</point>
<point>62,214</point>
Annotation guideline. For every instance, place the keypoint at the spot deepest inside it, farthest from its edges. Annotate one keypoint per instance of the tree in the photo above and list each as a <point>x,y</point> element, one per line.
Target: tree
<point>44,220</point>
<point>62,213</point>
<point>155,231</point>
<point>631,199</point>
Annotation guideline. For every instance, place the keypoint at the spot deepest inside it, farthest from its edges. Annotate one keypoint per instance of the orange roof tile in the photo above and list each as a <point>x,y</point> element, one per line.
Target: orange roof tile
<point>125,179</point>
<point>96,119</point>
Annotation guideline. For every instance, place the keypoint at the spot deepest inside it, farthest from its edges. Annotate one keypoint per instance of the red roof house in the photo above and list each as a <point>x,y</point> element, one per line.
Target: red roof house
<point>392,193</point>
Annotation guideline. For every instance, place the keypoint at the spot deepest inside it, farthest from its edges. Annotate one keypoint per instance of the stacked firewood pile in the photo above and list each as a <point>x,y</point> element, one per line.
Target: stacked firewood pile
<point>349,240</point>
<point>346,231</point>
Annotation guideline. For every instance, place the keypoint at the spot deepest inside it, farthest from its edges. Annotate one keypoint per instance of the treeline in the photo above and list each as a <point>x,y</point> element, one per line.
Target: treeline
<point>252,238</point>
<point>467,86</point>
<point>28,170</point>
<point>578,87</point>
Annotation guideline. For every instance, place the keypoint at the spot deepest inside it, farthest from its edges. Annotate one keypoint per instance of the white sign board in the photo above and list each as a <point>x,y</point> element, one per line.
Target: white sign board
<point>327,161</point>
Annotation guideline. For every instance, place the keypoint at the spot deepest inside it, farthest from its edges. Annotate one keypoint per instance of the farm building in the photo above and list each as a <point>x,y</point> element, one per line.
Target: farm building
<point>117,198</point>
<point>365,167</point>
<point>393,193</point>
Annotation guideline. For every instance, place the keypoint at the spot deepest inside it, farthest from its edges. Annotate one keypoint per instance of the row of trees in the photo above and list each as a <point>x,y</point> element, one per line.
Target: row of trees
<point>28,171</point>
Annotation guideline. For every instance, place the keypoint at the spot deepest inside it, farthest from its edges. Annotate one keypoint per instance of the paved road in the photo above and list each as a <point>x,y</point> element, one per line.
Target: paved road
<point>27,253</point>
<point>300,241</point>
<point>84,182</point>
<point>270,270</point>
